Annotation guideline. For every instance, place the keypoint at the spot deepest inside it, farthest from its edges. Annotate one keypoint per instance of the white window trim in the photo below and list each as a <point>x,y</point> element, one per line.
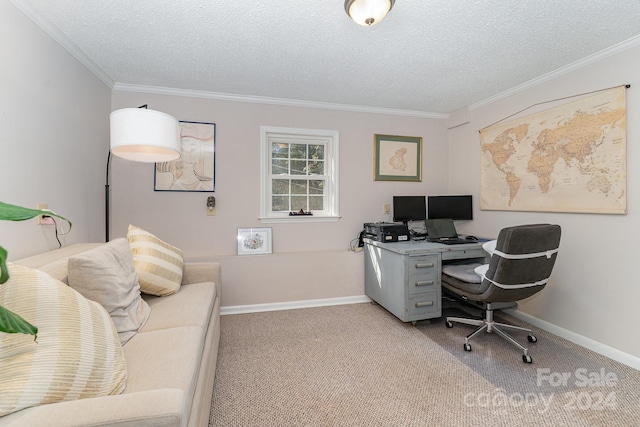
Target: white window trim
<point>331,157</point>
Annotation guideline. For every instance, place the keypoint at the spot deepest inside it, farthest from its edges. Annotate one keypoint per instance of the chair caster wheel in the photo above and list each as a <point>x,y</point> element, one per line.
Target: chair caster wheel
<point>467,347</point>
<point>532,338</point>
<point>526,358</point>
<point>448,324</point>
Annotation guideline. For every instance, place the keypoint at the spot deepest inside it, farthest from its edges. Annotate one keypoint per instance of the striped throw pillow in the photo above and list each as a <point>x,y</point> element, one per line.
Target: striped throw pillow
<point>158,264</point>
<point>78,353</point>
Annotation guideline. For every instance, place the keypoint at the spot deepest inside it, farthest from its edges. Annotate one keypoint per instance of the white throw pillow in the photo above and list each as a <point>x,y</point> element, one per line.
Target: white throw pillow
<point>158,264</point>
<point>78,353</point>
<point>106,275</point>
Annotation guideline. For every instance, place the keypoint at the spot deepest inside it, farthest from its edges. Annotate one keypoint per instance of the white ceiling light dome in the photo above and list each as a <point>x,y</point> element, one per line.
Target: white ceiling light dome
<point>368,12</point>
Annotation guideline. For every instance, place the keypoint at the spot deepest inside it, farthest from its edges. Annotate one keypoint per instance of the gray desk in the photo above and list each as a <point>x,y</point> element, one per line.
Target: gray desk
<point>404,277</point>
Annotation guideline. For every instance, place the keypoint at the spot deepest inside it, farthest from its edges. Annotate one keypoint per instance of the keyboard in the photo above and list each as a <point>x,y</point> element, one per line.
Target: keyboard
<point>452,241</point>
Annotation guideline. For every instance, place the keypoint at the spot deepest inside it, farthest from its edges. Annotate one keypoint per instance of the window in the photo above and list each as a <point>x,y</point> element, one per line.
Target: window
<point>299,171</point>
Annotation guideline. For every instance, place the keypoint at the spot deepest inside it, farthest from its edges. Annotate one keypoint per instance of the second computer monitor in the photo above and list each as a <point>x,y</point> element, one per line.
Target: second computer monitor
<point>450,207</point>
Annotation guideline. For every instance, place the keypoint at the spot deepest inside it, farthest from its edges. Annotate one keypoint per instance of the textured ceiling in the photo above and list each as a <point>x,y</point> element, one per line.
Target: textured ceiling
<point>431,56</point>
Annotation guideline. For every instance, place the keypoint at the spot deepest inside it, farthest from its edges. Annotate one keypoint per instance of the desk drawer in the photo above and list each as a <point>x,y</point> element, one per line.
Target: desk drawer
<point>423,272</point>
<point>423,265</point>
<point>425,304</point>
<point>422,283</point>
<point>453,253</point>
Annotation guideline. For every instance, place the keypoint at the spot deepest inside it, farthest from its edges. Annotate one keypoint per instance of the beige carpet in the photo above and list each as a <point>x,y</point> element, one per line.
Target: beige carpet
<point>357,365</point>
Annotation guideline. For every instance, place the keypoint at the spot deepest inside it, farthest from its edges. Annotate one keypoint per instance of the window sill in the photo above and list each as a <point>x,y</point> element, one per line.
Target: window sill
<point>298,219</point>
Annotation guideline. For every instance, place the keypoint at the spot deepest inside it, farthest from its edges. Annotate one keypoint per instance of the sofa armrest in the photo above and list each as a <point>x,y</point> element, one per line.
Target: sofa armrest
<point>162,408</point>
<point>198,272</point>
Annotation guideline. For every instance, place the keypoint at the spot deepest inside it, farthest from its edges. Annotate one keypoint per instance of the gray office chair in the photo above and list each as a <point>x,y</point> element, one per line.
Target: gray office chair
<point>519,267</point>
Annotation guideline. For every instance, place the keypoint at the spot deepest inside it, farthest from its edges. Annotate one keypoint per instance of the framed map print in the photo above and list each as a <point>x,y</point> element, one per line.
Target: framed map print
<point>570,158</point>
<point>397,158</point>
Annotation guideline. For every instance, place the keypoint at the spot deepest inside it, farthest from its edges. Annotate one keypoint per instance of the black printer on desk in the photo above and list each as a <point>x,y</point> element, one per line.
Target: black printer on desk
<point>386,232</point>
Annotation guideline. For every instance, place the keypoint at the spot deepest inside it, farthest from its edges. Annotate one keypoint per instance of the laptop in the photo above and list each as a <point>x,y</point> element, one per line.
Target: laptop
<point>443,231</point>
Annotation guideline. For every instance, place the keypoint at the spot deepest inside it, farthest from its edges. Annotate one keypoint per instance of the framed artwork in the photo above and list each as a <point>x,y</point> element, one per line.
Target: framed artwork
<point>397,158</point>
<point>195,169</point>
<point>254,241</point>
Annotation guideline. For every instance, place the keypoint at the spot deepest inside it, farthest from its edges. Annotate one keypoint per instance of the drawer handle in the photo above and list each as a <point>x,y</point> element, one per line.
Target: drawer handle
<point>424,304</point>
<point>425,283</point>
<point>424,265</point>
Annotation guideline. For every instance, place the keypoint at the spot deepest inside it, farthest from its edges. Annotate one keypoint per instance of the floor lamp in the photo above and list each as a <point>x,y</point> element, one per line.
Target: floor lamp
<point>141,135</point>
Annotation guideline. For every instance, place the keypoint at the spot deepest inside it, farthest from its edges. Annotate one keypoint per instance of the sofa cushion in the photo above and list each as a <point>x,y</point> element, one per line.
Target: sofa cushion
<point>167,358</point>
<point>106,275</point>
<point>192,305</point>
<point>158,264</point>
<point>54,263</point>
<point>77,354</point>
<point>153,408</point>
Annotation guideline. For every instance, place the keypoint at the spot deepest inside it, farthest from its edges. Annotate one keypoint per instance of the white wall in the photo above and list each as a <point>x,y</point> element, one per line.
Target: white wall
<point>53,136</point>
<point>594,291</point>
<point>311,260</point>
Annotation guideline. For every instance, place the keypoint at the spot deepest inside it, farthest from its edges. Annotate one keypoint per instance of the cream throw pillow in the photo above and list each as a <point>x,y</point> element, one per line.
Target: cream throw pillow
<point>158,264</point>
<point>106,274</point>
<point>78,353</point>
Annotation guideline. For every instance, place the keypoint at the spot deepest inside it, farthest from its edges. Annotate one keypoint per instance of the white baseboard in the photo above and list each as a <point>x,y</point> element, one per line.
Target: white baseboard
<point>598,347</point>
<point>292,305</point>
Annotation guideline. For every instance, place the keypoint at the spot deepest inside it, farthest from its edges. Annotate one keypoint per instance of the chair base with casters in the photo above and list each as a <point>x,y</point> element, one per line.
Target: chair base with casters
<point>520,264</point>
<point>490,326</point>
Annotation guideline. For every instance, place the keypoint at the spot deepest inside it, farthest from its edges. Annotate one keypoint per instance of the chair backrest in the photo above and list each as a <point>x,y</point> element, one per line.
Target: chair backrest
<point>522,262</point>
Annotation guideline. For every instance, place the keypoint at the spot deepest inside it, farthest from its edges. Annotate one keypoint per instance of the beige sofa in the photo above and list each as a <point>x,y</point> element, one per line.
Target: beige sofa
<point>170,362</point>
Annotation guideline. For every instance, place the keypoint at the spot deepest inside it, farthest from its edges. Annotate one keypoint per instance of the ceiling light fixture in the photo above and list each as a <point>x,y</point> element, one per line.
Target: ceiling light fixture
<point>368,12</point>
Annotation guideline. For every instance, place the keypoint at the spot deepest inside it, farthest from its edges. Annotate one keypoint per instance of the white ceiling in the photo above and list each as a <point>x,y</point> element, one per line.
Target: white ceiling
<point>427,56</point>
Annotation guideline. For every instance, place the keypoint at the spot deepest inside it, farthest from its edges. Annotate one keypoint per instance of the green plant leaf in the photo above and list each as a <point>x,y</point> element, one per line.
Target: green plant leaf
<point>4,273</point>
<point>18,213</point>
<point>11,323</point>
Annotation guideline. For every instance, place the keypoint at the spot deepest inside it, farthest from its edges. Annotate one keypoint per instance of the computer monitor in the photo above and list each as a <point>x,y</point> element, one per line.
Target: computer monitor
<point>409,208</point>
<point>450,207</point>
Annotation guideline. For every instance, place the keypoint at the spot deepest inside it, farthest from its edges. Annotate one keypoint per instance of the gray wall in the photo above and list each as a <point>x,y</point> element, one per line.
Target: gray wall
<point>310,260</point>
<point>593,294</point>
<point>54,136</point>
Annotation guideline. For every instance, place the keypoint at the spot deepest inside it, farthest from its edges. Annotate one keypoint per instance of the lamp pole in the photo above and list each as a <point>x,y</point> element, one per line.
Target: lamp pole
<point>106,201</point>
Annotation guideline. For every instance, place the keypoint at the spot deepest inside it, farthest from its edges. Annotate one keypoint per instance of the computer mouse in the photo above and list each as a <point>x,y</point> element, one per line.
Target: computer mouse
<point>471,238</point>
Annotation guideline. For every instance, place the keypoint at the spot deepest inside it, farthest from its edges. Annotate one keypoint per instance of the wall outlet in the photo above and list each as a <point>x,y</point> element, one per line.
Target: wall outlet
<point>41,220</point>
<point>386,209</point>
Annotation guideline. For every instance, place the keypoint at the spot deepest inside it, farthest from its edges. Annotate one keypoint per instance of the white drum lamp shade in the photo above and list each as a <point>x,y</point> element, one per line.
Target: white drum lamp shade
<point>144,135</point>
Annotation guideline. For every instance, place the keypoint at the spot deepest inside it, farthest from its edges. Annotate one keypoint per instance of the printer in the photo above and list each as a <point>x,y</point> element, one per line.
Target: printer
<point>386,232</point>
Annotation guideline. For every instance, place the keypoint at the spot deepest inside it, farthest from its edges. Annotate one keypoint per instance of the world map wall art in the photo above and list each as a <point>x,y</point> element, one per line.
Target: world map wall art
<point>570,158</point>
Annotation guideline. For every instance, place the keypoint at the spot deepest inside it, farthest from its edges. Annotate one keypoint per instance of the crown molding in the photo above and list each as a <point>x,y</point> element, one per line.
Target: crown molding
<point>81,57</point>
<point>591,59</point>
<point>273,101</point>
<point>53,32</point>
